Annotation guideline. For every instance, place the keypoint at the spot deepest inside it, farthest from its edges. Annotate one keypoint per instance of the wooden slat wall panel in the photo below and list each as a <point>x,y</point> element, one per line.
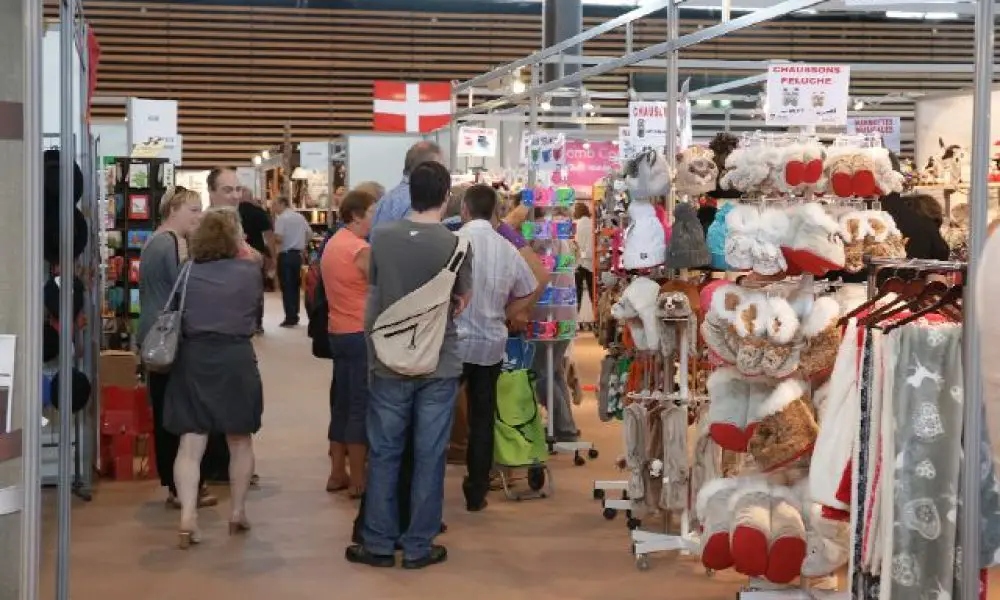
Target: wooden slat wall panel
<point>242,73</point>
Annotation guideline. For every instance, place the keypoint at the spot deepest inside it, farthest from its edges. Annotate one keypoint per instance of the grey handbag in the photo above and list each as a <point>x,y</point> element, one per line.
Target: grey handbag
<point>159,348</point>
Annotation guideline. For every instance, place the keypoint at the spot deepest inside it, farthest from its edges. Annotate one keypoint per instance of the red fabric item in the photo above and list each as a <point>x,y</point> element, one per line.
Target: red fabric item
<point>835,514</point>
<point>410,107</point>
<point>93,62</point>
<point>661,215</point>
<point>716,554</point>
<point>750,551</point>
<point>784,563</point>
<point>844,489</point>
<point>984,584</point>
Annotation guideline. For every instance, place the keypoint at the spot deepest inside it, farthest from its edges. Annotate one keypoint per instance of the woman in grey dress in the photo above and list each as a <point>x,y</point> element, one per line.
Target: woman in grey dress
<point>215,384</point>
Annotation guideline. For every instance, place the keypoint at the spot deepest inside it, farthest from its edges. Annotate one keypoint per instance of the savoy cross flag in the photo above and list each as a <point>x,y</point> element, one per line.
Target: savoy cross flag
<point>411,107</point>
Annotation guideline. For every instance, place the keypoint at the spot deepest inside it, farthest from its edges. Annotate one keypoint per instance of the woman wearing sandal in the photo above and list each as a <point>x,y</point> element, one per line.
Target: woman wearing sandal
<point>344,268</point>
<point>215,385</point>
<point>162,256</point>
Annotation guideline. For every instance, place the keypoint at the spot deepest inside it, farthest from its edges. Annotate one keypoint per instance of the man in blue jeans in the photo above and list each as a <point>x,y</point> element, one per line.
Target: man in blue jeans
<point>406,254</point>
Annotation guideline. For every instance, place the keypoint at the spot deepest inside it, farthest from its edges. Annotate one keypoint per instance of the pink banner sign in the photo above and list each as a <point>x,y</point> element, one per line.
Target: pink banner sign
<point>586,164</point>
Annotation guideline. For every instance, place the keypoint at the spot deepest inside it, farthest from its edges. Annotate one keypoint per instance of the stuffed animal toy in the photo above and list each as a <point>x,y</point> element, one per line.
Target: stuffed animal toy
<point>696,171</point>
<point>672,307</point>
<point>637,307</point>
<point>786,428</point>
<point>687,248</point>
<point>953,159</point>
<point>814,245</point>
<point>648,175</point>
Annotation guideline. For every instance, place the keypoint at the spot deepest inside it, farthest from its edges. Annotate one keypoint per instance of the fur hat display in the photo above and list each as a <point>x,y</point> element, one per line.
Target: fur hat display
<point>648,175</point>
<point>687,247</point>
<point>637,307</point>
<point>814,244</point>
<point>696,171</point>
<point>672,306</point>
<point>732,413</point>
<point>645,244</point>
<point>786,427</point>
<point>822,338</point>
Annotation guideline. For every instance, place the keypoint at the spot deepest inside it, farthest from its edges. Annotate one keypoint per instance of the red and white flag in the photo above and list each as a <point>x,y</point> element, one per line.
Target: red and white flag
<point>411,107</point>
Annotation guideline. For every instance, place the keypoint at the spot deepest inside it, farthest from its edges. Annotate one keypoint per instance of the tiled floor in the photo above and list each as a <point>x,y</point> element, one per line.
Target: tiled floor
<point>561,547</point>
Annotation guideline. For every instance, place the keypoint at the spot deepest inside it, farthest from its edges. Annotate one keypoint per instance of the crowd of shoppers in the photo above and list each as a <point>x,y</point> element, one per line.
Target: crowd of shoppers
<point>389,427</point>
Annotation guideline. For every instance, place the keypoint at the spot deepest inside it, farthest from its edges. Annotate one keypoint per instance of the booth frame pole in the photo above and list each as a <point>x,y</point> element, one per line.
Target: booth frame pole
<point>702,35</point>
<point>673,27</point>
<point>67,15</point>
<point>31,347</point>
<point>978,200</point>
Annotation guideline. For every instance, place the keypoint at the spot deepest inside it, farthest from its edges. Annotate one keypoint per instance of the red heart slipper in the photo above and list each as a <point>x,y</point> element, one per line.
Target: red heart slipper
<point>749,550</point>
<point>863,183</point>
<point>841,184</point>
<point>794,172</point>
<point>716,555</point>
<point>784,564</point>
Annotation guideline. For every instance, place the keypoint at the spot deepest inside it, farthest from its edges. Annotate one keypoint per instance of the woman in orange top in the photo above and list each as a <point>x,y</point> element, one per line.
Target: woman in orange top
<point>344,267</point>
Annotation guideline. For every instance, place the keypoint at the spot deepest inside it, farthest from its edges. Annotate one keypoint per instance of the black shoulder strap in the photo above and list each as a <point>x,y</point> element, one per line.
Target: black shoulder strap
<point>177,246</point>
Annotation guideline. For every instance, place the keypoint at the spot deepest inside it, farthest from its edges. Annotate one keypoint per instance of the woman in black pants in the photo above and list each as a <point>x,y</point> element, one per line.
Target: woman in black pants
<point>180,212</point>
<point>584,251</point>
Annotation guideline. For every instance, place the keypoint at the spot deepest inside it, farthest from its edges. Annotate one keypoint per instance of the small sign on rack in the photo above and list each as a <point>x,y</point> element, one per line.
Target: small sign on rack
<point>807,95</point>
<point>887,127</point>
<point>477,141</point>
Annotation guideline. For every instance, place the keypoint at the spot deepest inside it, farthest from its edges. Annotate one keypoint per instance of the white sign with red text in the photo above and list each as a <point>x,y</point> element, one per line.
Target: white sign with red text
<point>647,122</point>
<point>477,141</point>
<point>807,95</point>
<point>888,127</point>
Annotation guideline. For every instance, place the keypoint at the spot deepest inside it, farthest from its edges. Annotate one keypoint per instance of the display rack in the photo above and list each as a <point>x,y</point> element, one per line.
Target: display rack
<point>514,105</point>
<point>132,216</point>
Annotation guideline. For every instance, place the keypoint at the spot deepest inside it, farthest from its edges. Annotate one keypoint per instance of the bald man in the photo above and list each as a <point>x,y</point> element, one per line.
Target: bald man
<point>395,205</point>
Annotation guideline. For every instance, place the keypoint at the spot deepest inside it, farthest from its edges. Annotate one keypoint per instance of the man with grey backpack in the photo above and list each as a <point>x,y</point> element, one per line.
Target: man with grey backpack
<point>420,280</point>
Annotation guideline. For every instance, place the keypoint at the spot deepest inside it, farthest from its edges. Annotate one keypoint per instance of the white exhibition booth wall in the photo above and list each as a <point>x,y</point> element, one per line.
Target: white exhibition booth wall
<point>52,91</point>
<point>947,117</point>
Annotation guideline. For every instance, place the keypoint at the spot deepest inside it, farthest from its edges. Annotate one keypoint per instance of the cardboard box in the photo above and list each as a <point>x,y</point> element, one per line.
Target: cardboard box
<point>118,368</point>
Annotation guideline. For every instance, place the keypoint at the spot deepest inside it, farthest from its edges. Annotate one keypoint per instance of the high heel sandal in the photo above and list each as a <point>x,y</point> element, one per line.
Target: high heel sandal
<point>186,539</point>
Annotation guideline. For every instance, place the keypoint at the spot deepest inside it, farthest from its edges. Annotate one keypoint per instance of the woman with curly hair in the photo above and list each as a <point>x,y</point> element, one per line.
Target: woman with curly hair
<point>215,385</point>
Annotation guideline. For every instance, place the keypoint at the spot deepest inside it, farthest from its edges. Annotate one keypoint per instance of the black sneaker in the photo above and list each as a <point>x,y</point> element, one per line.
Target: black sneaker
<point>436,556</point>
<point>358,555</point>
<point>477,507</point>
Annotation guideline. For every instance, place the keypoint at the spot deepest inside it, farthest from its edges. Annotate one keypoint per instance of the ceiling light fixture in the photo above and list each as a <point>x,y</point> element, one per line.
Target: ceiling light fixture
<point>859,104</point>
<point>265,155</point>
<point>545,105</point>
<point>256,159</point>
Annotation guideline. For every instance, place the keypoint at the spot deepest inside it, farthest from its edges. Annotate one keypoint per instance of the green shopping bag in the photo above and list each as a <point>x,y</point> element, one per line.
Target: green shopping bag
<point>519,434</point>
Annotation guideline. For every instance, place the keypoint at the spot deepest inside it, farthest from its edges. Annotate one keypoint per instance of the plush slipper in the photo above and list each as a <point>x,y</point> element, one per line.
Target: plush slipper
<point>750,507</point>
<point>712,510</point>
<point>787,547</point>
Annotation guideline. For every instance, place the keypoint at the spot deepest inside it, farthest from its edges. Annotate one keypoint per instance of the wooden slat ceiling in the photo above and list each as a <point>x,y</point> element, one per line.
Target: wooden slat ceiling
<point>242,73</point>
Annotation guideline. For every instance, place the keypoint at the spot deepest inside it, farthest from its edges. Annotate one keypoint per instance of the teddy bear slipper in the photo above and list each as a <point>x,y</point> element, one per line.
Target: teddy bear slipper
<point>787,546</point>
<point>822,337</point>
<point>712,511</point>
<point>717,328</point>
<point>749,532</point>
<point>784,429</point>
<point>732,412</point>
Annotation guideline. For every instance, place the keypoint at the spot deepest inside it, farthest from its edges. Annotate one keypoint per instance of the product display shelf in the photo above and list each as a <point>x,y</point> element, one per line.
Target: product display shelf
<point>558,303</point>
<point>133,209</point>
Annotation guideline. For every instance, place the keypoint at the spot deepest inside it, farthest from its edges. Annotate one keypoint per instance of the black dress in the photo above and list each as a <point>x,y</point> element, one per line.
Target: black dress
<point>215,385</point>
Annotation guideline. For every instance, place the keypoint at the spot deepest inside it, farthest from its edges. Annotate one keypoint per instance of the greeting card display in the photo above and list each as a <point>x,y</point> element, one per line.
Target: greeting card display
<point>546,151</point>
<point>133,270</point>
<point>138,206</point>
<point>133,301</point>
<point>138,175</point>
<point>137,238</point>
<point>114,239</point>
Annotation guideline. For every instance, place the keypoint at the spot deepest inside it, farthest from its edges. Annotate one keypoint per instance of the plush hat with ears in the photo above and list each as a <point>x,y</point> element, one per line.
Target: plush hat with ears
<point>648,175</point>
<point>637,307</point>
<point>751,324</point>
<point>854,230</point>
<point>645,244</point>
<point>787,428</point>
<point>696,171</point>
<point>815,245</point>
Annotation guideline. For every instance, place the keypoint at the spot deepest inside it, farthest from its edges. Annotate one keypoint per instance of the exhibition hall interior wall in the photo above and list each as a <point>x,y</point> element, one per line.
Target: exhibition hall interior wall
<point>945,117</point>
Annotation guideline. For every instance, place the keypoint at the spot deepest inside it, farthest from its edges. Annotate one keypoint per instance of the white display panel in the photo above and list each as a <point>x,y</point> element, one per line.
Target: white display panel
<point>377,157</point>
<point>948,118</point>
<point>52,91</point>
<point>113,137</point>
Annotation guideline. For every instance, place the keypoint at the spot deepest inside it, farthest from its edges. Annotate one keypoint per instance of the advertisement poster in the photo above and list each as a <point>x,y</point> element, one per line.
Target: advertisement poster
<point>546,151</point>
<point>586,164</point>
<point>314,156</point>
<point>477,141</point>
<point>153,123</point>
<point>807,95</point>
<point>888,127</point>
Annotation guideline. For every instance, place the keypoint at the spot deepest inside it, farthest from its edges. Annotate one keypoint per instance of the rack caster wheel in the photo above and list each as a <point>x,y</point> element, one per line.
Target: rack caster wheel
<point>610,513</point>
<point>633,523</point>
<point>578,460</point>
<point>598,494</point>
<point>592,453</point>
<point>536,478</point>
<point>641,562</point>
